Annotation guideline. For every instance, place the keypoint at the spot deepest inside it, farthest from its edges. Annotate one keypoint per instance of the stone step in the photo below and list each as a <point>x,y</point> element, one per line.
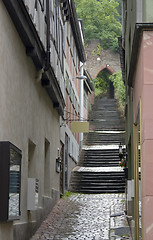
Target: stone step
<point>93,191</point>
<point>100,160</point>
<point>102,151</point>
<point>98,182</point>
<point>104,181</point>
<point>100,156</point>
<point>101,186</point>
<point>99,175</point>
<point>100,191</point>
<point>99,164</point>
<point>91,138</point>
<point>105,117</point>
<point>103,106</point>
<point>109,122</point>
<point>107,125</point>
<point>102,118</point>
<point>102,142</point>
<point>105,135</point>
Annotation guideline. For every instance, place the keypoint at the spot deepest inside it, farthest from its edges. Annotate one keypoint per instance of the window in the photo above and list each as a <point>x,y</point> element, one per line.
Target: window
<point>64,40</point>
<point>70,91</point>
<point>61,50</point>
<point>67,83</point>
<point>41,2</point>
<point>75,104</point>
<point>85,99</point>
<point>32,163</point>
<point>71,43</point>
<point>68,34</point>
<point>73,95</point>
<point>31,159</point>
<point>78,109</point>
<point>74,52</point>
<point>52,22</point>
<point>47,168</point>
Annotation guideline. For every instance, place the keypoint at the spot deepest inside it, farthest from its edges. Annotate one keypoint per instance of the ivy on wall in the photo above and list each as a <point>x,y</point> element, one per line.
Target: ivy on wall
<point>102,83</point>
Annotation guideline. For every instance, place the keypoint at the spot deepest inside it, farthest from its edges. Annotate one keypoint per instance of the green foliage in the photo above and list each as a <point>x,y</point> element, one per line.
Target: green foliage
<point>100,21</point>
<point>93,52</point>
<point>97,91</point>
<point>119,9</point>
<point>102,82</point>
<point>99,49</point>
<point>119,86</point>
<point>67,194</point>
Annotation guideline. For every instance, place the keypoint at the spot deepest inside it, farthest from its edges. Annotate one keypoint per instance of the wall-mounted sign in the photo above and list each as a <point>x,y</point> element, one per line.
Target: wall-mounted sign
<point>80,127</point>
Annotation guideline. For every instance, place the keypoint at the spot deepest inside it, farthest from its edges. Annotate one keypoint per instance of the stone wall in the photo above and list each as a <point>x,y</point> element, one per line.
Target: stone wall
<point>97,58</point>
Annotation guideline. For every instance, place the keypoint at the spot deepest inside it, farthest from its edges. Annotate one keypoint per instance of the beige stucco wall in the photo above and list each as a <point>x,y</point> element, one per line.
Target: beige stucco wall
<point>143,88</point>
<point>26,114</point>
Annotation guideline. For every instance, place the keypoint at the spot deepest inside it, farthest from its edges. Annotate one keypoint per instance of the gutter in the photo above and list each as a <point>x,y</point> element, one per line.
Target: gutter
<point>47,66</point>
<point>139,28</point>
<point>122,58</point>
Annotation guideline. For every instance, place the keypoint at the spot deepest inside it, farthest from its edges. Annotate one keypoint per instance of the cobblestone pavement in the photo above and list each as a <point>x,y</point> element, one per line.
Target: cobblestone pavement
<point>83,216</point>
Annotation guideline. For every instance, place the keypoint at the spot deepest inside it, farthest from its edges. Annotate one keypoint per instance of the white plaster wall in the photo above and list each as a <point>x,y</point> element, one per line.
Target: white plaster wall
<point>26,112</point>
<point>75,152</point>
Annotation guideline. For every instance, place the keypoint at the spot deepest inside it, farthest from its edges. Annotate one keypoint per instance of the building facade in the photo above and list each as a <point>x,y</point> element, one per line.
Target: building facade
<point>76,94</point>
<point>74,57</point>
<point>41,47</point>
<point>136,55</point>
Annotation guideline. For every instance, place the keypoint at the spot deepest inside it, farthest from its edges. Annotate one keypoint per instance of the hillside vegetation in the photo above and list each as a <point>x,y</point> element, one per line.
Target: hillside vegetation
<point>101,20</point>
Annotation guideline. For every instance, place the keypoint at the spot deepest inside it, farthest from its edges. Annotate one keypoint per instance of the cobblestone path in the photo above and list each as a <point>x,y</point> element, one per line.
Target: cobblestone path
<point>82,217</point>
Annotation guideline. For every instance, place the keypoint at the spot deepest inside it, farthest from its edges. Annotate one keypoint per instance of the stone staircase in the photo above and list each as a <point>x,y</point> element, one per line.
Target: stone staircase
<point>104,138</point>
<point>98,182</point>
<point>98,170</point>
<point>105,115</point>
<point>99,158</point>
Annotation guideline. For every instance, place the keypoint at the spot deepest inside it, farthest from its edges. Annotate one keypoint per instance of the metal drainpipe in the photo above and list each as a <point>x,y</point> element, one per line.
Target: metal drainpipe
<point>47,36</point>
<point>81,100</point>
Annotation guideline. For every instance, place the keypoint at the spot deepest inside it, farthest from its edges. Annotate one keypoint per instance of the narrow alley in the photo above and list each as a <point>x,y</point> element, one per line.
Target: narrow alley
<point>76,122</point>
<point>83,217</point>
<point>95,207</point>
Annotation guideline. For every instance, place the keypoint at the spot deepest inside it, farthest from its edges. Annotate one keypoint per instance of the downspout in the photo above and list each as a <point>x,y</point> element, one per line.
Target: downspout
<point>47,66</point>
<point>81,101</point>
